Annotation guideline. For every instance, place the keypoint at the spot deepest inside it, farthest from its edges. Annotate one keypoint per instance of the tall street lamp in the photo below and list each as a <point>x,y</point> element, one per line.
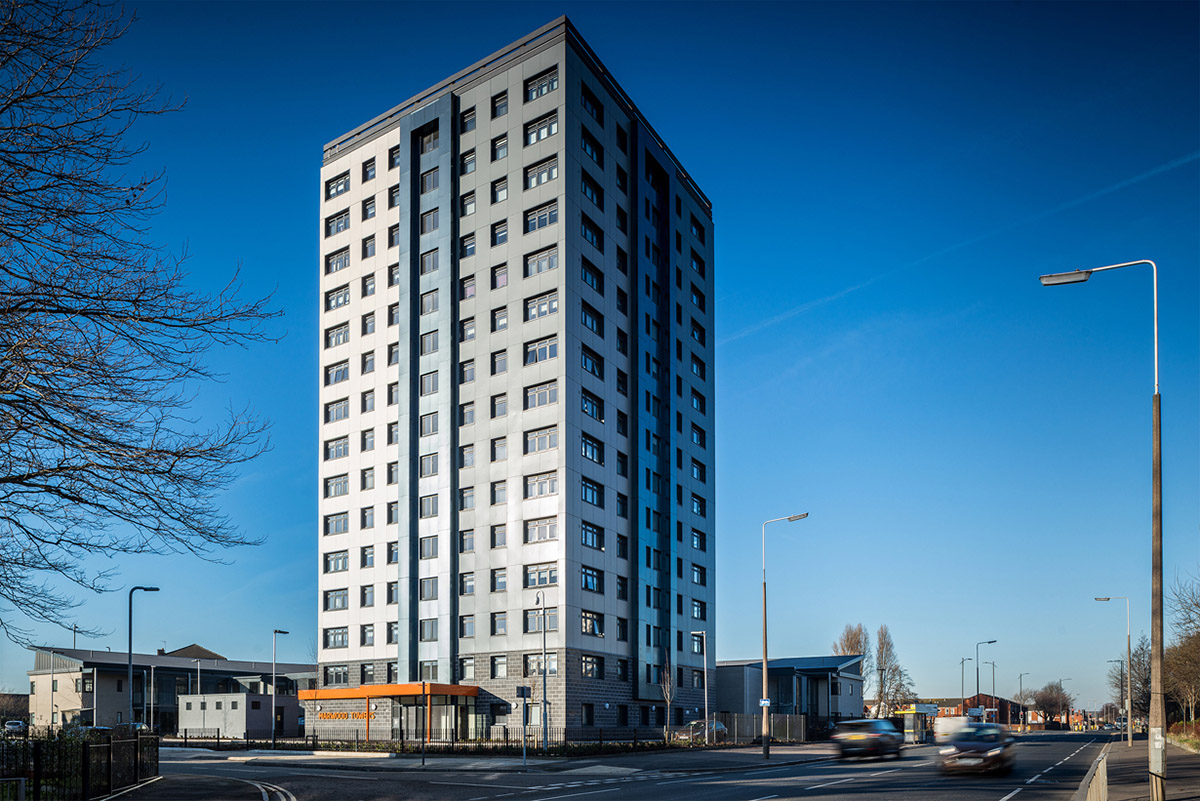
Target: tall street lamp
<point>1021,695</point>
<point>765,702</point>
<point>1064,692</point>
<point>1158,709</point>
<point>1128,667</point>
<point>703,635</point>
<point>982,642</point>
<point>274,710</point>
<point>993,664</point>
<point>129,673</point>
<point>962,677</point>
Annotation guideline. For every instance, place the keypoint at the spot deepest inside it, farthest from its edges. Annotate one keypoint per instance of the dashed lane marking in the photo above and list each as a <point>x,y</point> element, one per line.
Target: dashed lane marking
<point>586,792</point>
<point>828,784</point>
<point>1010,795</point>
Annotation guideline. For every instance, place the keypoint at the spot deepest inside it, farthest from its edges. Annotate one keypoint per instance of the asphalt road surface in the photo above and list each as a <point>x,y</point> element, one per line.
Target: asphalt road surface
<point>1049,767</point>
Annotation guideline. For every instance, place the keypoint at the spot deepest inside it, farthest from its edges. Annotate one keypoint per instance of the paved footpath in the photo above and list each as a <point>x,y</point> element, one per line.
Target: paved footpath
<point>1127,772</point>
<point>672,760</point>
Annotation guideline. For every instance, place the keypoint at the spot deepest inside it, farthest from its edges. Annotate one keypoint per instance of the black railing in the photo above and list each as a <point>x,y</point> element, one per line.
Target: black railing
<point>574,740</point>
<point>74,765</point>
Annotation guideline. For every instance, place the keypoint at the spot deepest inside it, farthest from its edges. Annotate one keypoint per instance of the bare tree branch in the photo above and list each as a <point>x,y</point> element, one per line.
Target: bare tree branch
<point>856,641</point>
<point>102,344</point>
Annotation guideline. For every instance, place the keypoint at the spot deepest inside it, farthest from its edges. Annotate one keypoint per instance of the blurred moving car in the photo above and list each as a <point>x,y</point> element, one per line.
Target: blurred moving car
<point>867,738</point>
<point>694,732</point>
<point>15,727</point>
<point>945,727</point>
<point>979,748</point>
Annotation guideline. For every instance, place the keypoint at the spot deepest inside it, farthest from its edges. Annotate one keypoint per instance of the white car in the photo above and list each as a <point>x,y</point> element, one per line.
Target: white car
<point>15,727</point>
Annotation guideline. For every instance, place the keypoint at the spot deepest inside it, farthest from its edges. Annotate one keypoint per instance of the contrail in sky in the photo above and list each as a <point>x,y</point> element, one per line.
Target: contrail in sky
<point>1108,190</point>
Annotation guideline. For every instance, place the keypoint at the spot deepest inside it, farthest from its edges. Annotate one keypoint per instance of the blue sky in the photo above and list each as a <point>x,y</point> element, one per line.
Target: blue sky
<point>888,181</point>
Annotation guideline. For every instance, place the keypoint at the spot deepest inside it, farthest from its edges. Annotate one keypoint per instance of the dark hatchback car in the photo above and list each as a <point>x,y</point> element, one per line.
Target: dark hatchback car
<point>867,738</point>
<point>979,748</point>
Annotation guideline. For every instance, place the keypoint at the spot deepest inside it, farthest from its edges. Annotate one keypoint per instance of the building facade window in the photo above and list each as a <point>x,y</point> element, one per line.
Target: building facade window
<point>541,350</point>
<point>538,619</point>
<point>541,395</point>
<point>541,306</point>
<point>541,485</point>
<point>336,223</point>
<point>591,535</point>
<point>541,217</point>
<point>541,85</point>
<point>541,173</point>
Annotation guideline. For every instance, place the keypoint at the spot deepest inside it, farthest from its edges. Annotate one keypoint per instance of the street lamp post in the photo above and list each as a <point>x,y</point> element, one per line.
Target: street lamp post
<point>1158,709</point>
<point>1021,695</point>
<point>275,711</point>
<point>993,664</point>
<point>962,677</point>
<point>982,642</point>
<point>704,646</point>
<point>129,673</point>
<point>541,601</point>
<point>765,702</point>
<point>1128,669</point>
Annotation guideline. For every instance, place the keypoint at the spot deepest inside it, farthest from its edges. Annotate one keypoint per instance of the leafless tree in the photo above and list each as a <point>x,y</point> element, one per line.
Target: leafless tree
<point>666,682</point>
<point>1139,672</point>
<point>856,641</point>
<point>1181,673</point>
<point>1052,700</point>
<point>1184,603</point>
<point>1117,682</point>
<point>102,344</point>
<point>896,687</point>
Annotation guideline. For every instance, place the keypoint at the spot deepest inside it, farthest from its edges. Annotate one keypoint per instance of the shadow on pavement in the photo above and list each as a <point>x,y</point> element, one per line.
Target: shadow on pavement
<point>183,787</point>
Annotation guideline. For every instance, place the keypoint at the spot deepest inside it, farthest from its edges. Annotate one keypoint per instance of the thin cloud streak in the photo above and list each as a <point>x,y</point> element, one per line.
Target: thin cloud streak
<point>1070,204</point>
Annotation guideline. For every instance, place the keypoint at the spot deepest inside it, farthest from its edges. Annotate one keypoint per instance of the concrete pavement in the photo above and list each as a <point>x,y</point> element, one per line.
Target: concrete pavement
<point>1127,772</point>
<point>675,760</point>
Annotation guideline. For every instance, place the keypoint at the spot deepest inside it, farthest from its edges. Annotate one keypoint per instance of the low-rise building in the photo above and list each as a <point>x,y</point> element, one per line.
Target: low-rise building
<point>991,708</point>
<point>825,688</point>
<point>242,715</point>
<point>74,686</point>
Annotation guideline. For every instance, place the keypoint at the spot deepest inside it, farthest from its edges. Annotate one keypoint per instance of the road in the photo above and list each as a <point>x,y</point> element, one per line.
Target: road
<point>1049,768</point>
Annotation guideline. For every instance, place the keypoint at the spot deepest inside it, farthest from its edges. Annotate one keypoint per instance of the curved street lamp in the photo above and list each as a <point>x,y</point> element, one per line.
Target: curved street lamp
<point>1128,667</point>
<point>129,674</point>
<point>982,642</point>
<point>1158,708</point>
<point>766,709</point>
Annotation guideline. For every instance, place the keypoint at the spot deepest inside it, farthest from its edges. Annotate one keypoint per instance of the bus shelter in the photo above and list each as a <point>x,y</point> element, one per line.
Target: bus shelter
<point>918,722</point>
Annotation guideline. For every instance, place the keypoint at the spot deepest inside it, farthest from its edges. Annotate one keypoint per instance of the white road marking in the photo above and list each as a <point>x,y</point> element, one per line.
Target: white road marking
<point>765,798</point>
<point>573,795</point>
<point>284,795</point>
<point>885,772</point>
<point>473,784</point>
<point>136,786</point>
<point>1010,795</point>
<point>828,784</point>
